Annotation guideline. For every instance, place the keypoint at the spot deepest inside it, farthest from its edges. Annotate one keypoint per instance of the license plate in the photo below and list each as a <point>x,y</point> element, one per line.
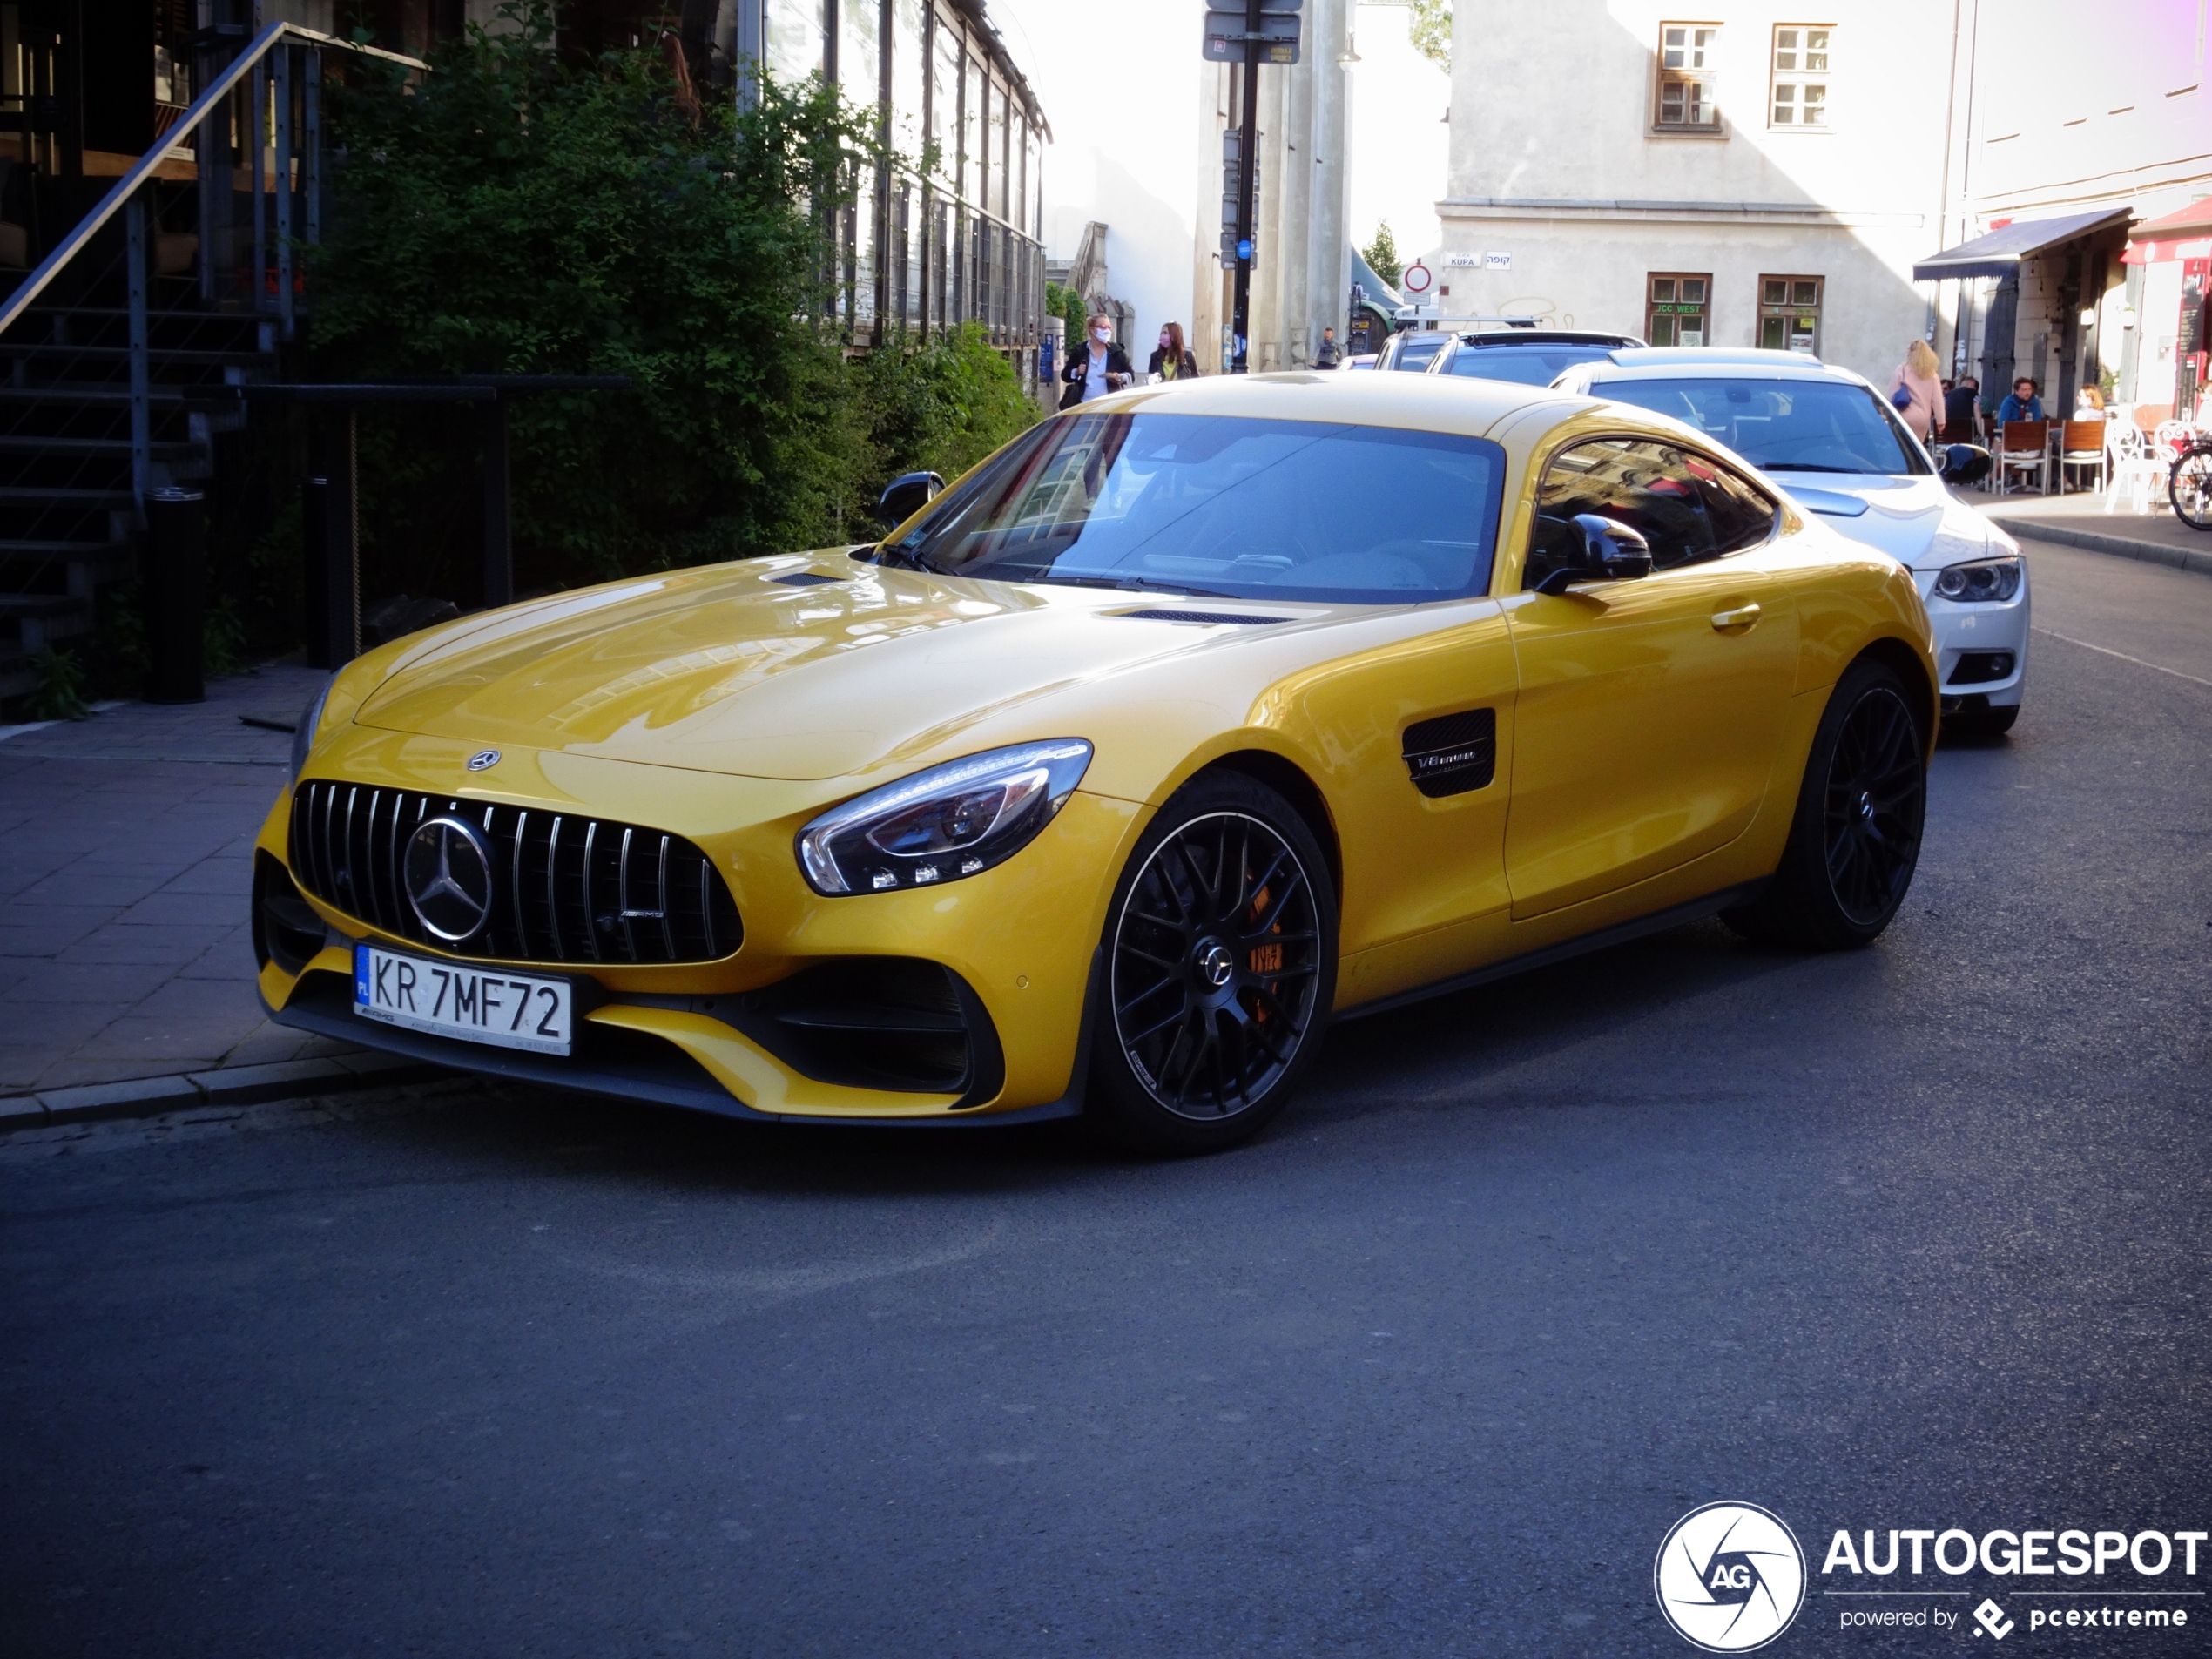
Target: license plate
<point>512,1010</point>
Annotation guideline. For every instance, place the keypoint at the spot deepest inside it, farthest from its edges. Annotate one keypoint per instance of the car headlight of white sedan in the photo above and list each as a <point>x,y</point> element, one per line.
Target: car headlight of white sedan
<point>1979,581</point>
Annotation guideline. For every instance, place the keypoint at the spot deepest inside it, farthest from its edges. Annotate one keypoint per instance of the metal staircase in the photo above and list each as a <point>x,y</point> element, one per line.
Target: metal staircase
<point>124,348</point>
<point>68,506</point>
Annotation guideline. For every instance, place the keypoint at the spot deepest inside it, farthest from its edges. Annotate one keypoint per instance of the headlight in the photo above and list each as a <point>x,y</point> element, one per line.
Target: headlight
<point>1983,579</point>
<point>303,735</point>
<point>954,820</point>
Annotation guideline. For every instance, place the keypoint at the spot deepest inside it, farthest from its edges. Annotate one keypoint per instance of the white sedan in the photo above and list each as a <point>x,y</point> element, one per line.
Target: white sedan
<point>1836,446</point>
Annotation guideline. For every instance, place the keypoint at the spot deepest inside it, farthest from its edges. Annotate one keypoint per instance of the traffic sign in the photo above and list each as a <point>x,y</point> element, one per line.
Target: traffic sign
<point>1416,279</point>
<point>1226,34</point>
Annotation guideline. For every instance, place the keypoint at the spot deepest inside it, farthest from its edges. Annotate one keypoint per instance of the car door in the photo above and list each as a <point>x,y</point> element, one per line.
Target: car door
<point>1649,710</point>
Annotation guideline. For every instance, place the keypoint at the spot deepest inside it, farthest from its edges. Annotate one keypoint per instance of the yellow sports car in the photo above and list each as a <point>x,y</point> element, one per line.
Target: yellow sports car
<point>1192,719</point>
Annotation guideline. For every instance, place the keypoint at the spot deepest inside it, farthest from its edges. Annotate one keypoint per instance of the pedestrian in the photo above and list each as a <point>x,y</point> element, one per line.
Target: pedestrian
<point>1329,356</point>
<point>1961,404</point>
<point>1172,361</point>
<point>2022,404</point>
<point>1101,368</point>
<point>2089,404</point>
<point>1917,390</point>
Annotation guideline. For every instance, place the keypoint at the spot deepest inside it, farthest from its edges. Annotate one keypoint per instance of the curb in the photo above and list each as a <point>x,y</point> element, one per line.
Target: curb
<point>234,1086</point>
<point>2179,558</point>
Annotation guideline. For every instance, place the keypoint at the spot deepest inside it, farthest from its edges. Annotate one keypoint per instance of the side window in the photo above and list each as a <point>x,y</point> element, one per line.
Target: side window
<point>1688,508</point>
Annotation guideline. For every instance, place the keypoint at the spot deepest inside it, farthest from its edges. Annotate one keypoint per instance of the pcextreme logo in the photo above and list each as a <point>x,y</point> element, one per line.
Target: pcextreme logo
<point>1730,1577</point>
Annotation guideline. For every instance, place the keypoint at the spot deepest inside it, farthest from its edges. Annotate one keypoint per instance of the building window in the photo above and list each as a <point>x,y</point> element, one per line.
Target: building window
<point>1689,76</point>
<point>1789,313</point>
<point>1673,312</point>
<point>1800,77</point>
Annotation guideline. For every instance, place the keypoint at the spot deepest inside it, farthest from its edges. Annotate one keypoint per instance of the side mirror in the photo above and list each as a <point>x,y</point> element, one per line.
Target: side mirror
<point>906,496</point>
<point>1609,551</point>
<point>1964,463</point>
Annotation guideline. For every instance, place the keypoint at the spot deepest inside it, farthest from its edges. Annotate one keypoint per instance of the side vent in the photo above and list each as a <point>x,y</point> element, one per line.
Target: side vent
<point>1453,753</point>
<point>1234,618</point>
<point>803,579</point>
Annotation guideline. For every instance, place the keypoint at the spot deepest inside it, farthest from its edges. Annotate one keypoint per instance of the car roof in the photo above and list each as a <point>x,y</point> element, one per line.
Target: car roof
<point>1416,402</point>
<point>1615,371</point>
<point>1548,337</point>
<point>1645,356</point>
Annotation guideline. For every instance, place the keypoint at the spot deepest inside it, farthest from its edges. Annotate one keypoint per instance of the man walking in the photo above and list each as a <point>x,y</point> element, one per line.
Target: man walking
<point>1102,366</point>
<point>1328,356</point>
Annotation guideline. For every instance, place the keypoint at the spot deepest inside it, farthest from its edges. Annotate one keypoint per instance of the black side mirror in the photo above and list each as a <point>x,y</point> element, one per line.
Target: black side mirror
<point>906,496</point>
<point>1608,551</point>
<point>1964,463</point>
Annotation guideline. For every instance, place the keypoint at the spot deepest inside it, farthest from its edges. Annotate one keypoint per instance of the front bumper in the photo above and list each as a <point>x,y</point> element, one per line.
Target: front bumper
<point>1968,638</point>
<point>758,1032</point>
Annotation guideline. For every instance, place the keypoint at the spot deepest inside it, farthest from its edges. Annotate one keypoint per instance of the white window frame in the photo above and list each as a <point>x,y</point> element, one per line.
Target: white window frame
<point>1799,88</point>
<point>1689,57</point>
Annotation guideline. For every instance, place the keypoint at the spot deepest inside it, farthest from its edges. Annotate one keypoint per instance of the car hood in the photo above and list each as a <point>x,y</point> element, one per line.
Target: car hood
<point>791,668</point>
<point>1914,519</point>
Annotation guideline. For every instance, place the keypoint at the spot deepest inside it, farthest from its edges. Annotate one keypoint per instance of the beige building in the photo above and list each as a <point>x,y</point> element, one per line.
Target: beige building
<point>1301,267</point>
<point>2054,158</point>
<point>1740,177</point>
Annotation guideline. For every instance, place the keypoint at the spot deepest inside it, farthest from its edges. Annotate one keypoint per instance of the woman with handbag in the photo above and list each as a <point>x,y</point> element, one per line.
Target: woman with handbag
<point>1172,362</point>
<point>1916,391</point>
<point>1096,367</point>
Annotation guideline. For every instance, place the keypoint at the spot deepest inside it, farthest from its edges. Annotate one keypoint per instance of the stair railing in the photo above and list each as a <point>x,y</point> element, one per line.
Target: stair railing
<point>266,102</point>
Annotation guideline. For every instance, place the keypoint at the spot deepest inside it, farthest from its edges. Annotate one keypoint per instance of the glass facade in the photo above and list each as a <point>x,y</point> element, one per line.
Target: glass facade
<point>949,230</point>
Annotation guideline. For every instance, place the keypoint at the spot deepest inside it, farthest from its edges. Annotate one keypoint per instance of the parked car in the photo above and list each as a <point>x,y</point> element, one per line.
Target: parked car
<point>1833,442</point>
<point>1533,357</point>
<point>1361,360</point>
<point>1412,350</point>
<point>1106,778</point>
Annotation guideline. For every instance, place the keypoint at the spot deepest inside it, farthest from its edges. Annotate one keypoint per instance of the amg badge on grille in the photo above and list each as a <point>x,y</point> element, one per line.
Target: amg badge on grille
<point>1453,753</point>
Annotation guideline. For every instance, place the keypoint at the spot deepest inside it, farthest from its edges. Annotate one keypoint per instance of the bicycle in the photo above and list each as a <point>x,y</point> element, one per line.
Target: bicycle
<point>2189,484</point>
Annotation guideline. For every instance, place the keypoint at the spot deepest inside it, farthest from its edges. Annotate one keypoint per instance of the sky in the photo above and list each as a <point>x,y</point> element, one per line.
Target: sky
<point>1124,98</point>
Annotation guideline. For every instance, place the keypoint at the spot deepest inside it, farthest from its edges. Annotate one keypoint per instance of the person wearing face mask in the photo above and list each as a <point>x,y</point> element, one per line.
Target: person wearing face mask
<point>1172,361</point>
<point>1103,367</point>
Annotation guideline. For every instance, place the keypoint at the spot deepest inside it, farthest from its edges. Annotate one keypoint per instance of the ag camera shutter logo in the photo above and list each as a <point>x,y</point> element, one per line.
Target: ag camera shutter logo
<point>1730,1577</point>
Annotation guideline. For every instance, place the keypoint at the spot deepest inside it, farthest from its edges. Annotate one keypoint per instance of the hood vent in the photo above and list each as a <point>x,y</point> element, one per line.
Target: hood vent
<point>803,579</point>
<point>1233,618</point>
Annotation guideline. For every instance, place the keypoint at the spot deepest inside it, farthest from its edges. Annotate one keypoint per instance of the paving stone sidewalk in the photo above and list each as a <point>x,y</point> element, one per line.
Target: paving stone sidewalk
<point>125,953</point>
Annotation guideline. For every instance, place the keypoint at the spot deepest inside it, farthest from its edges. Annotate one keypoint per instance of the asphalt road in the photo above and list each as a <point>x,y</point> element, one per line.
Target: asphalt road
<point>1912,1238</point>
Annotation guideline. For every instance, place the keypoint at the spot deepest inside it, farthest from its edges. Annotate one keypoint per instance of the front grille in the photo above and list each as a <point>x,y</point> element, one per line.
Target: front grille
<point>564,888</point>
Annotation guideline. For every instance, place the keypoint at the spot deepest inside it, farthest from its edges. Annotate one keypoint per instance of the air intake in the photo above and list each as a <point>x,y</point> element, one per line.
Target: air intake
<point>1453,753</point>
<point>803,579</point>
<point>1232,618</point>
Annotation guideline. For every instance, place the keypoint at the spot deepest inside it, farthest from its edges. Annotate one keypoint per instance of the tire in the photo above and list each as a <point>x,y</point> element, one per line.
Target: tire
<point>1980,723</point>
<point>1855,839</point>
<point>1220,968</point>
<point>2189,488</point>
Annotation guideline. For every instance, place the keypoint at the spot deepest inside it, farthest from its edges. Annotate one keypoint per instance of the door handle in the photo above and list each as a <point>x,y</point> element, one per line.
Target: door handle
<point>1741,617</point>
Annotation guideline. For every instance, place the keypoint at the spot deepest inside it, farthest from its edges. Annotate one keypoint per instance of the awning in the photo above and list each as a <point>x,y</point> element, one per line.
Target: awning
<point>2184,235</point>
<point>2000,253</point>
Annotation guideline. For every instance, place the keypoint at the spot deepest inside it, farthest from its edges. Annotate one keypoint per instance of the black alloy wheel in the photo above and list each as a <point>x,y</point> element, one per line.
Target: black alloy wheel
<point>1220,956</point>
<point>1877,790</point>
<point>1855,842</point>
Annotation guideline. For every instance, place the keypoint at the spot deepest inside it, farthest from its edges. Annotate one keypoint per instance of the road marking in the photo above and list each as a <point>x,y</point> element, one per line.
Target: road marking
<point>2125,658</point>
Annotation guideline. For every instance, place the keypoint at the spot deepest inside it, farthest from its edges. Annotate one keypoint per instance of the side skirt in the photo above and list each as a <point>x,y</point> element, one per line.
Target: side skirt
<point>1658,922</point>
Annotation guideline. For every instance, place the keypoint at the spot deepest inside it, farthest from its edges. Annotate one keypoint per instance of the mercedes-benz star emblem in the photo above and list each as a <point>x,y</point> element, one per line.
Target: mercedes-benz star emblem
<point>484,760</point>
<point>448,878</point>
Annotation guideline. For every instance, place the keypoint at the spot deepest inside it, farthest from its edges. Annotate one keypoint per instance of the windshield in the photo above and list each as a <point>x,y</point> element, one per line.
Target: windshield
<point>1783,426</point>
<point>1217,504</point>
<point>1528,365</point>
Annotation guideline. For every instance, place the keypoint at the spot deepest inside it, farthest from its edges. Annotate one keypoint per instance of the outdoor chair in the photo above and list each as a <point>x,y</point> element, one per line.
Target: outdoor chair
<point>2170,438</point>
<point>2083,445</point>
<point>2024,448</point>
<point>2132,468</point>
